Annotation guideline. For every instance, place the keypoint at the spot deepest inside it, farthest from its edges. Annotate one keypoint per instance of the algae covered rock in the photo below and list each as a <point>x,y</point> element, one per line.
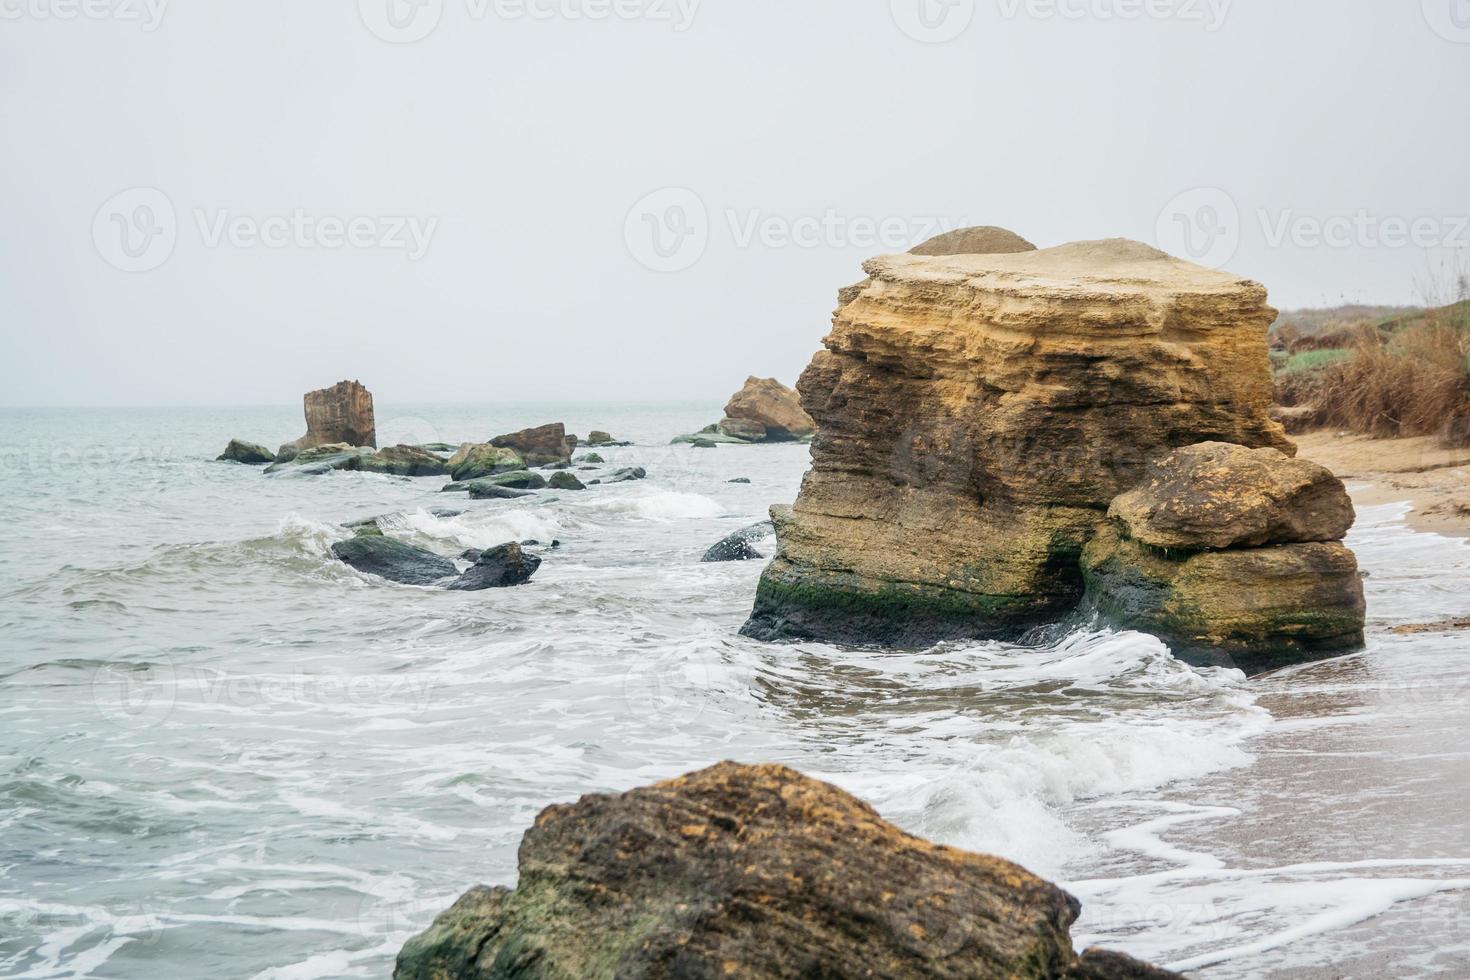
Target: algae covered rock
<point>1254,609</point>
<point>402,461</point>
<point>246,452</point>
<point>541,446</point>
<point>498,568</point>
<point>476,460</point>
<point>978,413</point>
<point>1218,495</point>
<point>751,872</point>
<point>565,481</point>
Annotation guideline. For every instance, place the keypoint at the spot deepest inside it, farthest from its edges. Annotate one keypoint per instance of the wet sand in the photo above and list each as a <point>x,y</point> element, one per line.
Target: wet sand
<point>1434,480</point>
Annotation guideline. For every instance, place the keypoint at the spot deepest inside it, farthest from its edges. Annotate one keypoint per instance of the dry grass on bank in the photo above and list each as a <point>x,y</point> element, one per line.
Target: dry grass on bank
<point>1402,377</point>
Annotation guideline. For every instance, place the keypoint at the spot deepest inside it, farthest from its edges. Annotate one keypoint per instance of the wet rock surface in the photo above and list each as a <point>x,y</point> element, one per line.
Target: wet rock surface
<point>246,452</point>
<point>393,560</point>
<point>750,871</point>
<point>498,568</point>
<point>741,546</point>
<point>540,446</point>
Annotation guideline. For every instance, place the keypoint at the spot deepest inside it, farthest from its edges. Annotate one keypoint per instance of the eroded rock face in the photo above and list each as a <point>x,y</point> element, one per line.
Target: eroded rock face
<point>750,871</point>
<point>981,240</point>
<point>1215,495</point>
<point>341,413</point>
<point>541,446</point>
<point>977,414</point>
<point>1234,557</point>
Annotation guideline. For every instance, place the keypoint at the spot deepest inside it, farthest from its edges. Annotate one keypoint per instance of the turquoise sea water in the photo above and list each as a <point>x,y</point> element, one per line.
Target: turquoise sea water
<point>224,754</point>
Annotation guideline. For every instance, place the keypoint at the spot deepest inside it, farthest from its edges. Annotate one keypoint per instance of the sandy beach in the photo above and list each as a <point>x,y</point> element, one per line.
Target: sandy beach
<point>1434,480</point>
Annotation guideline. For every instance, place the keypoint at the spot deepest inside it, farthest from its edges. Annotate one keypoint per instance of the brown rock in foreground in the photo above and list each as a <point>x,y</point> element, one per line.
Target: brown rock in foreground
<point>976,416</point>
<point>751,871</point>
<point>342,413</point>
<point>981,240</point>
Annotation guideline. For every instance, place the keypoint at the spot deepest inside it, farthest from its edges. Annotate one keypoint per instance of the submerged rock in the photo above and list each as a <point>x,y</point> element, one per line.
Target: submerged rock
<point>393,560</point>
<point>751,872</point>
<point>565,481</point>
<point>625,475</point>
<point>498,568</point>
<point>472,461</point>
<point>342,413</point>
<point>1233,557</point>
<point>246,452</point>
<point>978,413</point>
<point>740,546</point>
<point>540,446</point>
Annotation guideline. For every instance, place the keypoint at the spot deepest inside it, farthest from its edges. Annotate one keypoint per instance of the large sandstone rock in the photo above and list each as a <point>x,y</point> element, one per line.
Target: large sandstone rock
<point>767,403</point>
<point>981,240</point>
<point>342,413</point>
<point>1216,495</point>
<point>751,872</point>
<point>1234,557</point>
<point>544,445</point>
<point>976,416</point>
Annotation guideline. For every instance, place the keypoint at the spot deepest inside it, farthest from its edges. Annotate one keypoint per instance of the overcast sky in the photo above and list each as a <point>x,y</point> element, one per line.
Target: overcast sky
<point>497,200</point>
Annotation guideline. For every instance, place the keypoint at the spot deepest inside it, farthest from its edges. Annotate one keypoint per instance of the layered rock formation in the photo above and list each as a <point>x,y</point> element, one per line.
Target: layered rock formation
<point>764,410</point>
<point>977,414</point>
<point>753,872</point>
<point>545,445</point>
<point>342,413</point>
<point>1234,557</point>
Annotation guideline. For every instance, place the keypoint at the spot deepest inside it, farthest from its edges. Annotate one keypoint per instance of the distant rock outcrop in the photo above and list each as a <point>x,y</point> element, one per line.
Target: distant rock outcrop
<point>979,413</point>
<point>764,410</point>
<point>342,413</point>
<point>752,872</point>
<point>1234,557</point>
<point>980,240</point>
<point>544,445</point>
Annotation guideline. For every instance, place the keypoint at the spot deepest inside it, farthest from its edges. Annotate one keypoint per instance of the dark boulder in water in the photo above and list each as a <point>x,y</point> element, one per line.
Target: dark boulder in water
<point>498,568</point>
<point>592,458</point>
<point>246,452</point>
<point>740,546</point>
<point>565,481</point>
<point>504,486</point>
<point>626,475</point>
<point>393,560</point>
<point>752,871</point>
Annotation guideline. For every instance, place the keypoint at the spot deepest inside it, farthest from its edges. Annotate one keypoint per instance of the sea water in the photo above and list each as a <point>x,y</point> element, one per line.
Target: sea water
<point>225,754</point>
